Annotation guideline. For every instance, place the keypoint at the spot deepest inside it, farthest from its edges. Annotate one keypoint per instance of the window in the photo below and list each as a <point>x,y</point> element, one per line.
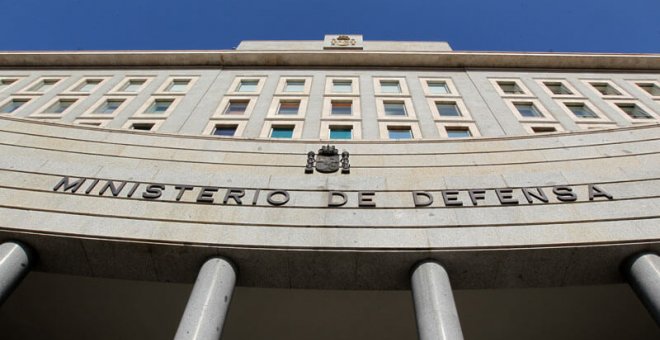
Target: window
<point>341,107</point>
<point>448,109</point>
<point>60,106</point>
<point>288,107</point>
<point>237,106</point>
<point>88,123</point>
<point>4,82</point>
<point>605,89</point>
<point>43,85</point>
<point>395,108</point>
<point>281,131</point>
<point>390,86</point>
<point>13,105</point>
<point>438,87</point>
<point>342,86</point>
<point>294,85</point>
<point>458,132</point>
<point>109,106</point>
<point>651,88</point>
<point>159,106</point>
<point>87,85</point>
<point>581,110</point>
<point>557,88</point>
<point>543,129</point>
<point>528,110</point>
<point>399,132</point>
<point>510,87</point>
<point>225,130</point>
<point>247,85</point>
<point>133,85</point>
<point>633,111</point>
<point>142,126</point>
<point>178,85</point>
<point>341,132</point>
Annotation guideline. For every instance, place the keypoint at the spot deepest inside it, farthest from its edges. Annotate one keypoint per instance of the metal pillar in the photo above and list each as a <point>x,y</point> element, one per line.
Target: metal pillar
<point>435,310</point>
<point>208,303</point>
<point>14,265</point>
<point>643,272</point>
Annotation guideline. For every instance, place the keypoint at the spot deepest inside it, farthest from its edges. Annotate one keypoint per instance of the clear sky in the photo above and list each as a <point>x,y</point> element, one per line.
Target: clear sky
<point>507,25</point>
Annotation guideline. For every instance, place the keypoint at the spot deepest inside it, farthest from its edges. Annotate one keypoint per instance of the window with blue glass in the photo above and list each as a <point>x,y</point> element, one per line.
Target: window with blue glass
<point>528,110</point>
<point>395,108</point>
<point>448,109</point>
<point>159,106</point>
<point>458,132</point>
<point>13,105</point>
<point>282,131</point>
<point>341,132</point>
<point>399,132</point>
<point>224,130</point>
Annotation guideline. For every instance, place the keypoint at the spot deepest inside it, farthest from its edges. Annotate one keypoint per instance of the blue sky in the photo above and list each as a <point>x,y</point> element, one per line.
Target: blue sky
<point>508,25</point>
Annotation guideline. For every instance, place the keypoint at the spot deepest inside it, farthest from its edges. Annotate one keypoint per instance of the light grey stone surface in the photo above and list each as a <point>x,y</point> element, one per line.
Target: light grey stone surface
<point>643,273</point>
<point>14,265</point>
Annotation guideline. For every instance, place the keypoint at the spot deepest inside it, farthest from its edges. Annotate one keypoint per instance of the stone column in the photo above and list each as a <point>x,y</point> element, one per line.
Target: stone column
<point>14,265</point>
<point>435,310</point>
<point>643,273</point>
<point>208,303</point>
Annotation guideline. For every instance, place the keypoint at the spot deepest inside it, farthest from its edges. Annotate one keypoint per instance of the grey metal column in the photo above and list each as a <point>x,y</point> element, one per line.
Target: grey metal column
<point>14,265</point>
<point>643,273</point>
<point>437,318</point>
<point>208,303</point>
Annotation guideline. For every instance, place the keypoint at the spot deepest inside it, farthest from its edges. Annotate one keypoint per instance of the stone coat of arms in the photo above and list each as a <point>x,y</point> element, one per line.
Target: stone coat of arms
<point>327,161</point>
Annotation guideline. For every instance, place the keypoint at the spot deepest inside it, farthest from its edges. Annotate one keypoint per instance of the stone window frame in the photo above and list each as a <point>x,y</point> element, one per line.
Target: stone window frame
<point>233,88</point>
<point>16,97</point>
<point>140,113</point>
<point>465,113</point>
<point>576,94</point>
<point>547,116</point>
<point>530,126</point>
<point>453,91</point>
<point>647,81</point>
<point>356,108</point>
<point>383,128</point>
<point>26,89</point>
<point>268,125</point>
<point>402,84</point>
<point>212,124</point>
<point>71,90</point>
<point>281,86</point>
<point>623,93</point>
<point>224,104</point>
<point>275,104</point>
<point>101,122</point>
<point>16,80</point>
<point>471,126</point>
<point>89,113</point>
<point>646,109</point>
<point>602,118</point>
<point>407,102</point>
<point>356,129</point>
<point>527,93</point>
<point>594,126</point>
<point>157,123</point>
<point>162,90</point>
<point>39,113</point>
<point>117,89</point>
<point>355,86</point>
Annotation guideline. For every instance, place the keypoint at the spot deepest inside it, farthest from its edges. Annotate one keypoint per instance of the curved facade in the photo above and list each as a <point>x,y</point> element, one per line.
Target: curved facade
<point>506,207</point>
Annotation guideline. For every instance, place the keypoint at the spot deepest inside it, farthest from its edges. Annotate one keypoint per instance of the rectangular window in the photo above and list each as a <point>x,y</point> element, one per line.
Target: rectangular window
<point>87,85</point>
<point>650,88</point>
<point>341,132</point>
<point>633,111</point>
<point>605,89</point>
<point>342,86</point>
<point>510,87</point>
<point>294,85</point>
<point>395,109</point>
<point>557,88</point>
<point>341,107</point>
<point>458,132</point>
<point>438,87</point>
<point>448,109</point>
<point>43,85</point>
<point>544,129</point>
<point>159,106</point>
<point>288,107</point>
<point>528,110</point>
<point>178,85</point>
<point>13,105</point>
<point>247,85</point>
<point>390,86</point>
<point>399,132</point>
<point>6,82</point>
<point>282,131</point>
<point>237,106</point>
<point>225,130</point>
<point>142,126</point>
<point>89,123</point>
<point>581,110</point>
<point>60,106</point>
<point>133,85</point>
<point>109,106</point>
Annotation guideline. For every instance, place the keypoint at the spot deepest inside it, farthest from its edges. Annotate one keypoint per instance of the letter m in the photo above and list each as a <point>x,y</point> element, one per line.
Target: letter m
<point>67,185</point>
